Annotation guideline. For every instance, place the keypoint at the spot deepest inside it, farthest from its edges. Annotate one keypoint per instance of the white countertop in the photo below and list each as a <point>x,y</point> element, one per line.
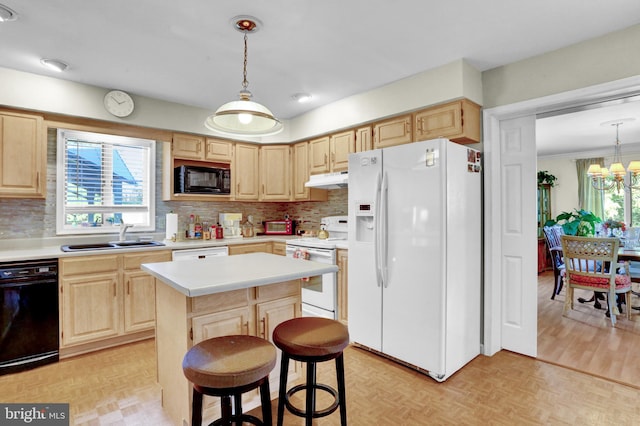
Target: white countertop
<point>49,248</point>
<point>219,274</point>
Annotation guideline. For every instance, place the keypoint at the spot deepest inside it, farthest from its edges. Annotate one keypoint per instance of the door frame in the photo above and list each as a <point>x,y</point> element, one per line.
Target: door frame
<point>493,196</point>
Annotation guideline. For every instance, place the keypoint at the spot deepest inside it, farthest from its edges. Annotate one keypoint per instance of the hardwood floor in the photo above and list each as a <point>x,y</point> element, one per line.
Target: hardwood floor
<point>585,340</point>
<point>118,386</point>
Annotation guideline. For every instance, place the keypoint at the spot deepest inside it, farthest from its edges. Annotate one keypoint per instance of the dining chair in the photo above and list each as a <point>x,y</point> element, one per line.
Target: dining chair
<point>591,263</point>
<point>552,235</point>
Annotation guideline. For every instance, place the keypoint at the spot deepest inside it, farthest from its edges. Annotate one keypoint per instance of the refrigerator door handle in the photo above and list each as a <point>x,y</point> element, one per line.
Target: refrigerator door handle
<point>376,232</point>
<point>384,229</point>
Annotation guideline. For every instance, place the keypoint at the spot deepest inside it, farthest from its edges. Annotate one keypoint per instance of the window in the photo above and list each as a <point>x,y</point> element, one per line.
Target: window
<point>623,206</point>
<point>104,180</point>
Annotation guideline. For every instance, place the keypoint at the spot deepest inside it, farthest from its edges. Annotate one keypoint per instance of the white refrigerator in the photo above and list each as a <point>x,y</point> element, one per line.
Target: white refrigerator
<point>415,254</point>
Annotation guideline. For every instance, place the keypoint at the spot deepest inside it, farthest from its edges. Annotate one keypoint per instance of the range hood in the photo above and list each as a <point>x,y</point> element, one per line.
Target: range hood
<point>328,180</point>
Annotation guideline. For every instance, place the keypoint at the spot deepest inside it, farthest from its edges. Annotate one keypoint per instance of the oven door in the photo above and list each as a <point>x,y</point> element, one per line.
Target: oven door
<point>318,291</point>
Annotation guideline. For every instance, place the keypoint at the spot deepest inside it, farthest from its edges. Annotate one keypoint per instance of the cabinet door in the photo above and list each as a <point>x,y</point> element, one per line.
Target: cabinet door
<point>23,156</point>
<point>219,150</point>
<point>275,173</point>
<point>343,273</point>
<point>395,131</point>
<point>269,315</point>
<point>139,301</point>
<point>246,172</point>
<point>363,139</point>
<point>225,323</point>
<point>319,155</point>
<point>90,308</point>
<point>188,146</point>
<point>300,170</point>
<point>342,144</point>
<point>279,248</point>
<point>458,121</point>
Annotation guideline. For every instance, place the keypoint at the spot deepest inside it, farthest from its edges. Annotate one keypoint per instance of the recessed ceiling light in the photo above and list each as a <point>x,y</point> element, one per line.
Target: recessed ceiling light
<point>302,97</point>
<point>7,14</point>
<point>54,64</point>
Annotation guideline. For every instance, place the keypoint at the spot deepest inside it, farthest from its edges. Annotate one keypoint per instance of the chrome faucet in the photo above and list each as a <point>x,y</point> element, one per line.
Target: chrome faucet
<point>123,230</point>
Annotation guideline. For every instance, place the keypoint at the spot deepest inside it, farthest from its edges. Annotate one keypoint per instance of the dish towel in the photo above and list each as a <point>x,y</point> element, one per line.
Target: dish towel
<point>303,255</point>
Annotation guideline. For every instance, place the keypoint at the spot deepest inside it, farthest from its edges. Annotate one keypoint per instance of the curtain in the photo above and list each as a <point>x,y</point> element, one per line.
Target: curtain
<point>589,198</point>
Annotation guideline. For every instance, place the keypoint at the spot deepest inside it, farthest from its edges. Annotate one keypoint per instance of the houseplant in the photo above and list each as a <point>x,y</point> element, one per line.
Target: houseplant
<point>546,177</point>
<point>581,223</point>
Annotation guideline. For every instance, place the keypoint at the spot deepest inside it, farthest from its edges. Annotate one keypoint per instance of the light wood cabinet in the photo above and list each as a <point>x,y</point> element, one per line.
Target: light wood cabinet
<point>188,146</point>
<point>185,321</point>
<point>395,131</point>
<point>23,156</point>
<point>263,247</point>
<point>279,248</point>
<point>300,174</point>
<point>219,150</point>
<point>363,139</point>
<point>106,298</point>
<point>331,153</point>
<point>275,173</point>
<point>140,291</point>
<point>246,172</point>
<point>319,155</point>
<point>343,274</point>
<point>458,121</point>
<point>341,145</point>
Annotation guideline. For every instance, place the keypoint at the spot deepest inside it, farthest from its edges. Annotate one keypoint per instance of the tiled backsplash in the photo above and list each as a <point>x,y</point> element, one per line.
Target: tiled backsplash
<point>30,218</point>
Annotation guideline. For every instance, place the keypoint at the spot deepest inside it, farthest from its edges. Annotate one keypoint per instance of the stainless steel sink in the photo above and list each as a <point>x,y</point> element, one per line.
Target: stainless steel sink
<point>114,245</point>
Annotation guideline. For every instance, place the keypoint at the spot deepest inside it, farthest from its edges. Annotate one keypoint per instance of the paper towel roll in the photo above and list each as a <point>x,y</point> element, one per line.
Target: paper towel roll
<point>172,225</point>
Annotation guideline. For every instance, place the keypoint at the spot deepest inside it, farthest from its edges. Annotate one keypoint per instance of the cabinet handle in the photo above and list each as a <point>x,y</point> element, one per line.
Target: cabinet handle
<point>199,147</point>
<point>246,327</point>
<point>263,189</point>
<point>238,186</point>
<point>128,290</point>
<point>333,158</point>
<point>407,126</point>
<point>264,328</point>
<point>325,159</point>
<point>419,124</point>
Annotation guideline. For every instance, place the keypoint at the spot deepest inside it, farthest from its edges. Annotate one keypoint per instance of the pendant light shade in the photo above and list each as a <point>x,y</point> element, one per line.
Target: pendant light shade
<point>244,117</point>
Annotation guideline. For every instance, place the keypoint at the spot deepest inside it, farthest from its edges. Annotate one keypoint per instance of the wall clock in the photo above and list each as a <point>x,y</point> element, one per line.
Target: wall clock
<point>118,103</point>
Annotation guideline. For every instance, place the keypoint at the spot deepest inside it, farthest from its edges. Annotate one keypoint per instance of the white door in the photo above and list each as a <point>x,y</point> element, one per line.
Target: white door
<point>518,275</point>
<point>365,290</point>
<point>413,314</point>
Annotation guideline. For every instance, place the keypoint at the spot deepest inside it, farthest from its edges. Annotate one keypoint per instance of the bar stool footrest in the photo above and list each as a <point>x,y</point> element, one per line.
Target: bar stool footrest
<point>244,418</point>
<point>318,413</point>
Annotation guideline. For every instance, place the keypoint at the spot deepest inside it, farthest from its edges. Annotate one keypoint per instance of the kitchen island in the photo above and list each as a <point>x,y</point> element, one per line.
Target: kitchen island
<point>200,299</point>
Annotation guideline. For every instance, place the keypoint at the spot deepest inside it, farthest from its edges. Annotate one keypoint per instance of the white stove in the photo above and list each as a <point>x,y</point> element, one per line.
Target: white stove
<point>338,231</point>
<point>319,293</point>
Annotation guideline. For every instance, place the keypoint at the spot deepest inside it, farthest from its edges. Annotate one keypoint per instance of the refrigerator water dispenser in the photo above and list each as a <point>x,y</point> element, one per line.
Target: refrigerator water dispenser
<point>364,222</point>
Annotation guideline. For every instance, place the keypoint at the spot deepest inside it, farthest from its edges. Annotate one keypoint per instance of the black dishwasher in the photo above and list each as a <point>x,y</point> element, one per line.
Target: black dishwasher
<point>29,317</point>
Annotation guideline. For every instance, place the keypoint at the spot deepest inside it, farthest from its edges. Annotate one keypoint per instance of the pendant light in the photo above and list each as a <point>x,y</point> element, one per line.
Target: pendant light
<point>605,179</point>
<point>244,117</point>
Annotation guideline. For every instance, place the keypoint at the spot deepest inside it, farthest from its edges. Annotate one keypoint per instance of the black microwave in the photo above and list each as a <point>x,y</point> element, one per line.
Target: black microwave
<point>201,180</point>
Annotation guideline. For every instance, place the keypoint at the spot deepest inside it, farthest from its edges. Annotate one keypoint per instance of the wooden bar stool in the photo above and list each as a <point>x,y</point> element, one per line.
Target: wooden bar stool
<point>228,367</point>
<point>311,340</point>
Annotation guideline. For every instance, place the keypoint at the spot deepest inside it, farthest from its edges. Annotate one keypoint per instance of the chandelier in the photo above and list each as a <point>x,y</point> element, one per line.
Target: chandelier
<point>244,117</point>
<point>605,179</point>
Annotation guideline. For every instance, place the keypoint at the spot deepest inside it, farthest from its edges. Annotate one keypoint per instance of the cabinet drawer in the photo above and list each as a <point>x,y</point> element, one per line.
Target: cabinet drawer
<point>220,301</point>
<point>133,261</point>
<point>88,265</point>
<point>277,291</point>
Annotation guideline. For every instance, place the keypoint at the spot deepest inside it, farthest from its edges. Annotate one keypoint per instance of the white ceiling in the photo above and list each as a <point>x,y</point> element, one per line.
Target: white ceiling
<point>188,52</point>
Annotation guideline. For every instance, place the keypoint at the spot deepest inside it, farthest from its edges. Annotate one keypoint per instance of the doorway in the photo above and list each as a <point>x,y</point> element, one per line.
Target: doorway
<point>510,272</point>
